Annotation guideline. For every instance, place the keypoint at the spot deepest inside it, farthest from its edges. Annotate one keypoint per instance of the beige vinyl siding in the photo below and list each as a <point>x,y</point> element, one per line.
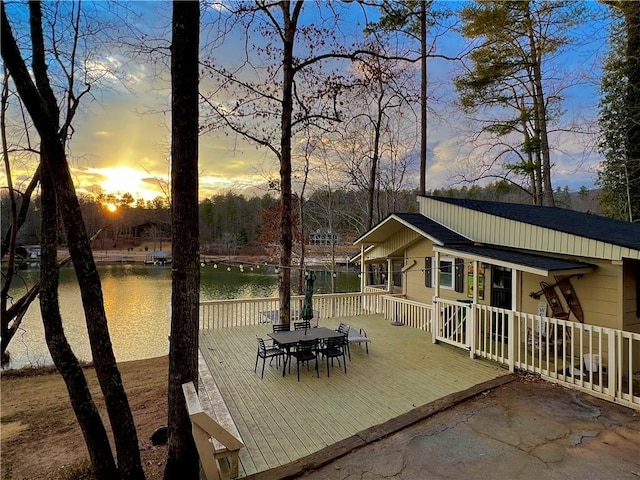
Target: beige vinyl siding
<point>415,277</point>
<point>530,283</point>
<point>495,230</point>
<point>631,319</point>
<point>597,292</point>
<point>393,246</point>
<point>416,289</point>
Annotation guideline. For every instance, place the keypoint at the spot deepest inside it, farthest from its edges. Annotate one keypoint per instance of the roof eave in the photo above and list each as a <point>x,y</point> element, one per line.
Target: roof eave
<point>513,265</point>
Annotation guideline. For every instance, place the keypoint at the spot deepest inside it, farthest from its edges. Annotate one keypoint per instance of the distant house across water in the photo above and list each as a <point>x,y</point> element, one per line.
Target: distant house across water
<point>324,238</point>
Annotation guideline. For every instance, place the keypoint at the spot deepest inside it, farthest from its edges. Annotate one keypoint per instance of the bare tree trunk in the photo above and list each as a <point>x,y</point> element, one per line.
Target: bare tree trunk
<point>93,430</point>
<point>12,317</point>
<point>303,249</point>
<point>423,98</point>
<point>182,456</point>
<point>286,234</point>
<point>540,116</point>
<point>40,102</point>
<point>375,158</point>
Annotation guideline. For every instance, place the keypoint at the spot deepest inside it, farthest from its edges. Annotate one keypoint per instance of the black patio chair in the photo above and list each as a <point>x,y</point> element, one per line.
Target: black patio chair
<point>281,327</point>
<point>306,350</point>
<point>334,348</point>
<point>343,328</point>
<point>267,351</point>
<point>305,325</point>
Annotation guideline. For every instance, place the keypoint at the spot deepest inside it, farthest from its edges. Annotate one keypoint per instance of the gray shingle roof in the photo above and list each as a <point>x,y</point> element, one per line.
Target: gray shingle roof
<point>595,227</point>
<point>433,229</point>
<point>526,259</point>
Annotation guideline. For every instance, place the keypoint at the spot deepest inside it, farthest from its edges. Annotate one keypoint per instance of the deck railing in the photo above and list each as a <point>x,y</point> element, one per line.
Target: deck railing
<point>452,323</point>
<point>490,334</point>
<point>407,312</point>
<point>594,359</point>
<point>375,289</point>
<point>252,311</point>
<point>597,360</point>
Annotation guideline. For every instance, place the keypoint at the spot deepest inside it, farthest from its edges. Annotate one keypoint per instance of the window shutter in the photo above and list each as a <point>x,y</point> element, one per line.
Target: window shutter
<point>459,274</point>
<point>428,271</point>
<point>638,290</point>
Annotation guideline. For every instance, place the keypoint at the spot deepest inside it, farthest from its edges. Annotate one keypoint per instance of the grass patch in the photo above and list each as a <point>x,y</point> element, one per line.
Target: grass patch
<point>79,471</point>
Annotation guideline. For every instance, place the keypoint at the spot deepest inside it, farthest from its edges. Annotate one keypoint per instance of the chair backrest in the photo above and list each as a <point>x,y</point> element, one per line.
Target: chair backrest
<point>343,328</point>
<point>261,346</point>
<point>334,342</point>
<point>306,345</point>
<point>281,327</point>
<point>301,325</point>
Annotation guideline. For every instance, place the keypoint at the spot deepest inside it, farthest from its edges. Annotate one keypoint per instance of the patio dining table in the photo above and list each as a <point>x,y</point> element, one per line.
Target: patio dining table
<point>289,339</point>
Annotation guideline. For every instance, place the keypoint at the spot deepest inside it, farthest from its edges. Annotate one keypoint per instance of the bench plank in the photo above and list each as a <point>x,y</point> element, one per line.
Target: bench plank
<point>213,440</point>
<point>355,336</point>
<point>213,403</point>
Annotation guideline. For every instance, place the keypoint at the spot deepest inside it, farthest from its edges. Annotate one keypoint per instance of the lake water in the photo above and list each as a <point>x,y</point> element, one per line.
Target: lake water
<point>137,299</point>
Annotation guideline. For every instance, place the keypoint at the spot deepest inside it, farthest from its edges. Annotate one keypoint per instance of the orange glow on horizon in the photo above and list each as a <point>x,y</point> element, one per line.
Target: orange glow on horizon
<point>111,207</point>
<point>127,180</point>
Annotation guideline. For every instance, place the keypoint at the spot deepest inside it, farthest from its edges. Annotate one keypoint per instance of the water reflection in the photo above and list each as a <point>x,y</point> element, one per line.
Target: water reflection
<point>137,299</point>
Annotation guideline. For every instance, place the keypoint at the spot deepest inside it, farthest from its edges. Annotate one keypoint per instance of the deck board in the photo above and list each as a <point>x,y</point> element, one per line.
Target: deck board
<point>282,420</point>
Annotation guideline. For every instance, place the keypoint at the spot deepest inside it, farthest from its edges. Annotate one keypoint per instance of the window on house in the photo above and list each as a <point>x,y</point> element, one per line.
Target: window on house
<point>447,277</point>
<point>451,273</point>
<point>397,273</point>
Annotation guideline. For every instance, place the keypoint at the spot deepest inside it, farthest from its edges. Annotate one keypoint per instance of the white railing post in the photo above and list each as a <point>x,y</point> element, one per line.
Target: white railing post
<point>611,362</point>
<point>471,330</point>
<point>511,325</point>
<point>435,319</point>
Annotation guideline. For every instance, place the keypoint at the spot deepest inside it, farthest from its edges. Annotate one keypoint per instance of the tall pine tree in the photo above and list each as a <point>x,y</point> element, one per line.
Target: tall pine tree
<point>506,81</point>
<point>619,177</point>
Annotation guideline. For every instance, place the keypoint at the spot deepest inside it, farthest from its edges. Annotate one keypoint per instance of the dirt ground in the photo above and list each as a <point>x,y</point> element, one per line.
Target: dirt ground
<point>527,429</point>
<point>40,438</point>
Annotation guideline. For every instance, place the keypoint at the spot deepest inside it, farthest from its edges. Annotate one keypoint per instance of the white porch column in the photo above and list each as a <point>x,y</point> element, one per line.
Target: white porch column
<point>363,269</point>
<point>436,278</point>
<point>389,275</point>
<point>514,288</point>
<point>471,321</point>
<point>476,273</point>
<point>435,308</point>
<point>511,321</point>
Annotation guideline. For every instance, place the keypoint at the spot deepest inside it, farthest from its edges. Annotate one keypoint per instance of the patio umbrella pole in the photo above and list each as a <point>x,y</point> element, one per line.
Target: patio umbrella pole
<point>307,305</point>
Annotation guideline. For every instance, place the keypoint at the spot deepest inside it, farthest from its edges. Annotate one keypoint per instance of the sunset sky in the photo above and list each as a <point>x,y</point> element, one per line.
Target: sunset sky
<point>122,137</point>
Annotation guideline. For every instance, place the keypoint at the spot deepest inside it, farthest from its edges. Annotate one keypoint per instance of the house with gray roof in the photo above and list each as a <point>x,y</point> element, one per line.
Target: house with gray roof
<point>543,284</point>
<point>515,256</point>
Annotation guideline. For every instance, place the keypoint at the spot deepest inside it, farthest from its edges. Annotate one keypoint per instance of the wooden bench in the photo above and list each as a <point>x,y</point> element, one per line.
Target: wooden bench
<point>216,440</point>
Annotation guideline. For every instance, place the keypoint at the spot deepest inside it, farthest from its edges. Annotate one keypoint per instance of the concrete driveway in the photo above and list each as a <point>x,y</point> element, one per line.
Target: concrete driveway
<point>527,429</point>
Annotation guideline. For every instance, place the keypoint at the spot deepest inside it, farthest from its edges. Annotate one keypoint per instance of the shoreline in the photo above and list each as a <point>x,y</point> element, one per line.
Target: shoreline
<point>124,257</point>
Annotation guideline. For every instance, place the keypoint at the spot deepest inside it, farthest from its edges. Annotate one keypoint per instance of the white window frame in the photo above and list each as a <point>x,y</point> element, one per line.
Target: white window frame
<point>452,262</point>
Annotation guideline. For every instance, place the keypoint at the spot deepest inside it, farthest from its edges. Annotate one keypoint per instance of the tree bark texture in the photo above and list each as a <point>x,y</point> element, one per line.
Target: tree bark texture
<point>39,101</point>
<point>182,456</point>
<point>423,98</point>
<point>540,112</point>
<point>286,234</point>
<point>63,357</point>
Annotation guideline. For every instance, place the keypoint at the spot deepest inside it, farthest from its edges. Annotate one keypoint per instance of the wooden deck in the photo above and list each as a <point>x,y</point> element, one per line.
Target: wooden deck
<point>282,420</point>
